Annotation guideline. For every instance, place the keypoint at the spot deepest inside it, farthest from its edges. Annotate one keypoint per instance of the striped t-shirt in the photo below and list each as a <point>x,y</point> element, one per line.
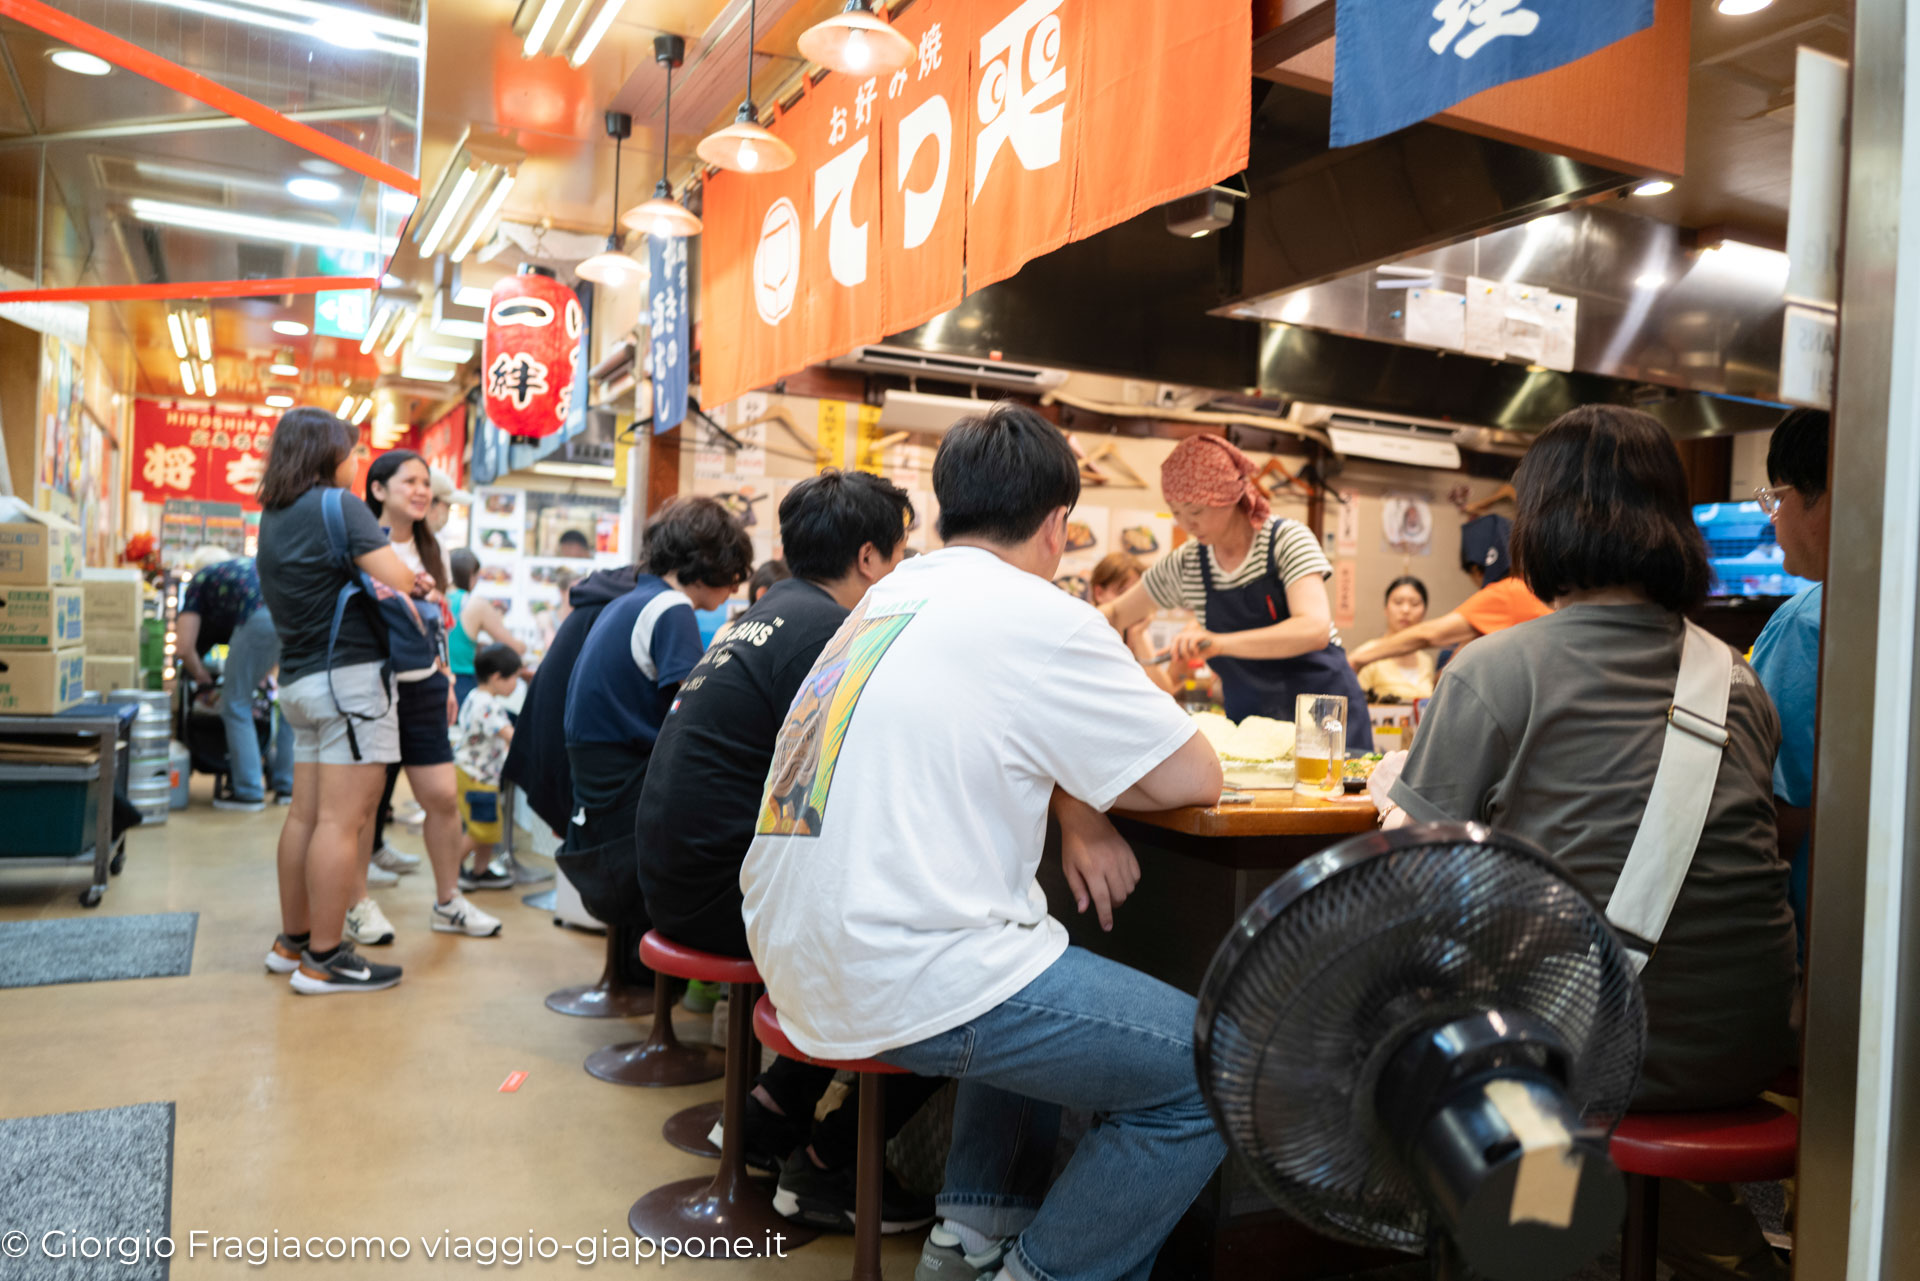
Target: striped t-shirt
<point>1174,581</point>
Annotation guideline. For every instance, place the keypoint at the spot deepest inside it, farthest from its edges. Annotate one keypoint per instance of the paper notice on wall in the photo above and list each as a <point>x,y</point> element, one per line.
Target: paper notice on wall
<point>1346,530</point>
<point>1486,318</point>
<point>1561,315</point>
<point>1526,325</point>
<point>1437,318</point>
<point>1345,593</point>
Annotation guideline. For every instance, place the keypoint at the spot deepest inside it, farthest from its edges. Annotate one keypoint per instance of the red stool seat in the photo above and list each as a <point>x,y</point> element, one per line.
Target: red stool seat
<point>766,1026</point>
<point>664,956</point>
<point>1750,1144</point>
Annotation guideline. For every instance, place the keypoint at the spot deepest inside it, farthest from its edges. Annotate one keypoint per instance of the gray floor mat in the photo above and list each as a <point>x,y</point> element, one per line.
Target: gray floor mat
<point>96,1174</point>
<point>92,949</point>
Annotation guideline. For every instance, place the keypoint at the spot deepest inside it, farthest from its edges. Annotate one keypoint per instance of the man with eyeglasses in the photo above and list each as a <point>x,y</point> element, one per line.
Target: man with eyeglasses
<point>1786,658</point>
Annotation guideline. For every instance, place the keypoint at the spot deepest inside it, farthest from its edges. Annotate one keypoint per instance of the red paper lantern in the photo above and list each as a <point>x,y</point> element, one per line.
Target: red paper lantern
<point>533,331</point>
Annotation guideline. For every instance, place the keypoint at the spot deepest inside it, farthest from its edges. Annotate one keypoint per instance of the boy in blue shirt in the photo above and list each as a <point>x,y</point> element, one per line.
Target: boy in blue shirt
<point>1787,656</point>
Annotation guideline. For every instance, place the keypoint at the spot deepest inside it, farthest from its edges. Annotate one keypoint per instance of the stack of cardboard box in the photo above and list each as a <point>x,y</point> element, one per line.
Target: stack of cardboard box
<point>42,662</point>
<point>114,610</point>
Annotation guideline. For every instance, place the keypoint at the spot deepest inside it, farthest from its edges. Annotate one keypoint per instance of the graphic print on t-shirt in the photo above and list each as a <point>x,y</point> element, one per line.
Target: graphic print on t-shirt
<point>796,800</point>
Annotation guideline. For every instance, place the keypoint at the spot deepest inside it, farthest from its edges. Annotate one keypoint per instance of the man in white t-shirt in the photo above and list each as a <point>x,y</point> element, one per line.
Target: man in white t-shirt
<point>890,896</point>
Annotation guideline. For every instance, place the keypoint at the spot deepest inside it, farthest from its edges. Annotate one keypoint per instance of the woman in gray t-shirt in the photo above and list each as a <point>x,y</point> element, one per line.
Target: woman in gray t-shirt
<point>1553,730</point>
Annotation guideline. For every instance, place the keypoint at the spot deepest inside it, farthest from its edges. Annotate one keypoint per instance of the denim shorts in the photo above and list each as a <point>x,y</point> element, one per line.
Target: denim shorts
<point>320,729</point>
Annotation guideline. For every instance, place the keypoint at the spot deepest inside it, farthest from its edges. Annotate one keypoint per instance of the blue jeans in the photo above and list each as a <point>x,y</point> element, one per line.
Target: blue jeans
<point>252,651</point>
<point>1094,1035</point>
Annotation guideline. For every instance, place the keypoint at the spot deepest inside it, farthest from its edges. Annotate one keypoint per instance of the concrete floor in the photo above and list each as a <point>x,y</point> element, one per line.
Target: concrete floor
<point>375,1114</point>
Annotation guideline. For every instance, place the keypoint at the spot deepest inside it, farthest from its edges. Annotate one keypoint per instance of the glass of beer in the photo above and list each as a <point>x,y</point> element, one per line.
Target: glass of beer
<point>1319,744</point>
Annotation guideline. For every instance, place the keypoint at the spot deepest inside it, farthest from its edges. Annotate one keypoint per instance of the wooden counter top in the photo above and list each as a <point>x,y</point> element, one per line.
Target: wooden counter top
<point>1269,813</point>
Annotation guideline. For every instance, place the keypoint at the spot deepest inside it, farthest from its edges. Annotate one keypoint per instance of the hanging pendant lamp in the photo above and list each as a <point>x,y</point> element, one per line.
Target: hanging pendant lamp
<point>856,43</point>
<point>663,215</point>
<point>743,146</point>
<point>612,267</point>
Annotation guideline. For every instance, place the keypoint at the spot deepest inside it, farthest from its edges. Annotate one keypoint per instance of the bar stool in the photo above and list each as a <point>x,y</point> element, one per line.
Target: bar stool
<point>611,997</point>
<point>660,1060</point>
<point>872,1142</point>
<point>1752,1144</point>
<point>730,1204</point>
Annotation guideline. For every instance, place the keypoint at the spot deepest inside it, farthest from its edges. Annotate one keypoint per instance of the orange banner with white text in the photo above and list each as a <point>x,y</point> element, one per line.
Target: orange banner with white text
<point>1019,125</point>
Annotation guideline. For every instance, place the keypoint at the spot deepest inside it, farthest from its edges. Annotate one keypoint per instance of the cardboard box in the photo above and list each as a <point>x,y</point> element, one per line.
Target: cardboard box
<point>105,673</point>
<point>41,682</point>
<point>38,549</point>
<point>39,617</point>
<point>113,642</point>
<point>114,597</point>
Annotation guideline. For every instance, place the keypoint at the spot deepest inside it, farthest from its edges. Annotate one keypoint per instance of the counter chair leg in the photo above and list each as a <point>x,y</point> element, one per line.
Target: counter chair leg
<point>660,1060</point>
<point>730,1204</point>
<point>611,997</point>
<point>1640,1241</point>
<point>867,1178</point>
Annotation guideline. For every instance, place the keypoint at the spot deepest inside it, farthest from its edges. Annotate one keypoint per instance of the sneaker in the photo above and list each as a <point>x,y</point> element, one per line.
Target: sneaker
<point>392,860</point>
<point>379,878</point>
<point>368,925</point>
<point>824,1198</point>
<point>283,798</point>
<point>237,805</point>
<point>284,956</point>
<point>943,1258</point>
<point>492,877</point>
<point>457,916</point>
<point>348,971</point>
<point>527,874</point>
<point>409,812</point>
<point>702,996</point>
<point>769,1136</point>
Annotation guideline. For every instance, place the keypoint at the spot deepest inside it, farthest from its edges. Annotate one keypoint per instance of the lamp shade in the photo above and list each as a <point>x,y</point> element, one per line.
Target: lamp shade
<point>613,269</point>
<point>744,147</point>
<point>662,217</point>
<point>856,43</point>
<point>533,329</point>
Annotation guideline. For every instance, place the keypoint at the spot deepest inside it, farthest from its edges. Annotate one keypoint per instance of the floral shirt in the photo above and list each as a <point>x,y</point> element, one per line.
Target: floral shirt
<point>478,748</point>
<point>224,596</point>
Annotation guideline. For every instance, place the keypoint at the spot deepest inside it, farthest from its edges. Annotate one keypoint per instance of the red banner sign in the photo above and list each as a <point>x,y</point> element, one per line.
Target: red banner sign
<point>188,449</point>
<point>443,442</point>
<point>1019,126</point>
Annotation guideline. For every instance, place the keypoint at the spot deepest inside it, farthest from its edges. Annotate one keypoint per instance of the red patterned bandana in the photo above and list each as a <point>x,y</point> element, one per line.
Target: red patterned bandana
<point>1209,471</point>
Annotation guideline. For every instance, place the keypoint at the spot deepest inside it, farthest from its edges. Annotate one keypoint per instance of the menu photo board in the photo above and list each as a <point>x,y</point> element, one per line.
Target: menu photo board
<point>187,525</point>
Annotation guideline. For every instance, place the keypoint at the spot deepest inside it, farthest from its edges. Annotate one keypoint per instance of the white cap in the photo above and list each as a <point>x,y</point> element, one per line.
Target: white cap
<point>444,490</point>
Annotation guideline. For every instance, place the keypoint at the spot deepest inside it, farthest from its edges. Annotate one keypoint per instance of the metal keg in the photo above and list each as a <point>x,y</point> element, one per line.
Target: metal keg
<point>149,776</point>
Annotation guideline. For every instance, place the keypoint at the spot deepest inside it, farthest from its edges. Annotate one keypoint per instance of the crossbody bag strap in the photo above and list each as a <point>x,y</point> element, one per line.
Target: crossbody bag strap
<point>335,522</point>
<point>1676,814</point>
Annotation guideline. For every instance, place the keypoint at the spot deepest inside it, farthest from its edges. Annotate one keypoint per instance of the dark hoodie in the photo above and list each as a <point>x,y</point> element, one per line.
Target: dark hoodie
<point>537,760</point>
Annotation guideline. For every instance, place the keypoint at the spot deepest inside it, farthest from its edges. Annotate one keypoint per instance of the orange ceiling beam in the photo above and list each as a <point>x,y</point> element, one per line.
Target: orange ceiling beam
<point>142,62</point>
<point>189,289</point>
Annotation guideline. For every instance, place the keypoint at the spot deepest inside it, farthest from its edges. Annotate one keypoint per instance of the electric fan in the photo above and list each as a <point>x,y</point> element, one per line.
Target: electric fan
<point>1422,1039</point>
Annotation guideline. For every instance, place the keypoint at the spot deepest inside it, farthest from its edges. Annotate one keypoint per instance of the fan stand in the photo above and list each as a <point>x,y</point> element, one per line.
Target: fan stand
<point>1443,1256</point>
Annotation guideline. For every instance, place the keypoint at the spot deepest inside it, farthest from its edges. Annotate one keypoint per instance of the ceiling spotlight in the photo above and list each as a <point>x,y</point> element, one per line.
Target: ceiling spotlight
<point>291,328</point>
<point>1740,8</point>
<point>280,400</point>
<point>314,189</point>
<point>1657,187</point>
<point>81,63</point>
<point>856,43</point>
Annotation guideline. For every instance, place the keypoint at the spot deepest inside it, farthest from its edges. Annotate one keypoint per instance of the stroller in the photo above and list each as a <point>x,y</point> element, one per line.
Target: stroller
<point>200,728</point>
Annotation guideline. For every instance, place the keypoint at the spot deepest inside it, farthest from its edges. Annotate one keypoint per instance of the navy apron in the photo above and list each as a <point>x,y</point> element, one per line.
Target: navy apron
<point>1268,686</point>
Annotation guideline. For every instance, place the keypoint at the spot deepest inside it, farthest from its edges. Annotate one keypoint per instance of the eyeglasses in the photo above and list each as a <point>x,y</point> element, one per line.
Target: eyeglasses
<point>1769,498</point>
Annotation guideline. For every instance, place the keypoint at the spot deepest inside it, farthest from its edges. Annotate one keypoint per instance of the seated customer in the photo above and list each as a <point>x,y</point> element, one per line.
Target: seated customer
<point>890,893</point>
<point>1554,731</point>
<point>1408,678</point>
<point>640,649</point>
<point>843,531</point>
<point>1501,601</point>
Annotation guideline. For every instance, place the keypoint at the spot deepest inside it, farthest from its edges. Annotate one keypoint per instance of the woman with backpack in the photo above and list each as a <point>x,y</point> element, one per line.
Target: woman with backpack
<point>400,493</point>
<point>335,691</point>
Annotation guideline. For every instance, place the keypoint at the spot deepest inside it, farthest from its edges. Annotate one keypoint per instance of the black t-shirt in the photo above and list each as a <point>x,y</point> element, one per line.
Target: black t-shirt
<point>703,789</point>
<point>299,581</point>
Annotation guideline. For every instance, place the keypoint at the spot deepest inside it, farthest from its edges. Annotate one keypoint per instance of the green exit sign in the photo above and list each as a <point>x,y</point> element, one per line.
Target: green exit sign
<point>342,313</point>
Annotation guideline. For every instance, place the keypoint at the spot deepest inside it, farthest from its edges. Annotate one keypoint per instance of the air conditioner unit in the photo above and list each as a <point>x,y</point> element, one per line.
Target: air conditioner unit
<point>1409,446</point>
<point>914,363</point>
<point>917,411</point>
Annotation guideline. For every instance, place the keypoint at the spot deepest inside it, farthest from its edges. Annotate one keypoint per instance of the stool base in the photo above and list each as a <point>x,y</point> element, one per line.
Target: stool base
<point>696,1208</point>
<point>650,1063</point>
<point>609,997</point>
<point>688,1128</point>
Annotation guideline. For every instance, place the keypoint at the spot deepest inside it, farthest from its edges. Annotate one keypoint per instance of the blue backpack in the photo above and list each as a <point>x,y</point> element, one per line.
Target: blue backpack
<point>413,640</point>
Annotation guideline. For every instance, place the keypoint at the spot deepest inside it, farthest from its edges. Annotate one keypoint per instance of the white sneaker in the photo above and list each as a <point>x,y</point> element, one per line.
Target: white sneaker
<point>368,925</point>
<point>240,806</point>
<point>392,860</point>
<point>458,916</point>
<point>379,878</point>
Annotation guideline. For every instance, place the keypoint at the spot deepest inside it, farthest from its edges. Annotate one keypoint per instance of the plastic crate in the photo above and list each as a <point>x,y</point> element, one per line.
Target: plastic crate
<point>48,818</point>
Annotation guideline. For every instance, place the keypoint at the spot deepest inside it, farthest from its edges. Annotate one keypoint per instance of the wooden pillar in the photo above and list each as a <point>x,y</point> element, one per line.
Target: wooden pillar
<point>663,470</point>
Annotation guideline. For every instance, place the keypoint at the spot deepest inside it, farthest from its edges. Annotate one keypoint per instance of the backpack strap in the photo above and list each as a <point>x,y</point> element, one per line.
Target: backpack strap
<point>1676,813</point>
<point>333,517</point>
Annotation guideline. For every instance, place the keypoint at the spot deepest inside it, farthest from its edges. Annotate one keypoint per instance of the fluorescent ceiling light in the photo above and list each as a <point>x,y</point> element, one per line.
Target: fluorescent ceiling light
<point>398,203</point>
<point>280,401</point>
<point>314,189</point>
<point>346,407</point>
<point>284,371</point>
<point>1658,187</point>
<point>379,323</point>
<point>204,332</point>
<point>484,219</point>
<point>1650,280</point>
<point>1741,8</point>
<point>458,353</point>
<point>399,334</point>
<point>291,328</point>
<point>591,40</point>
<point>206,378</point>
<point>542,24</point>
<point>456,326</point>
<point>428,371</point>
<point>248,227</point>
<point>472,296</point>
<point>360,414</point>
<point>186,377</point>
<point>449,212</point>
<point>177,331</point>
<point>85,63</point>
<point>320,21</point>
